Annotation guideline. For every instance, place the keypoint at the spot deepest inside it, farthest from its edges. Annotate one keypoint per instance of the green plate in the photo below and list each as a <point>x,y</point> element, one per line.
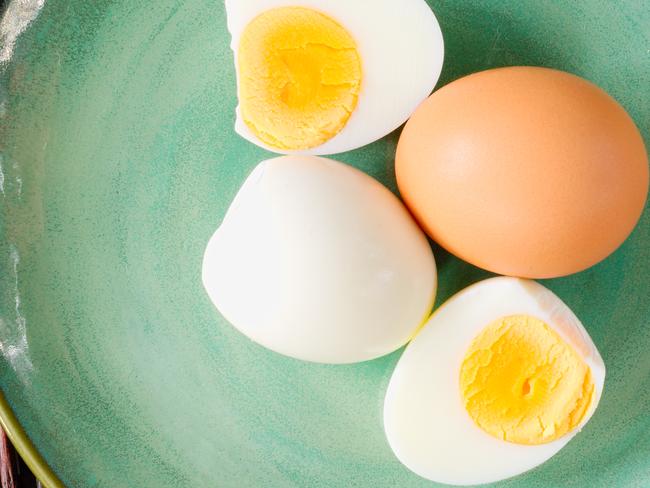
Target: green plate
<point>118,161</point>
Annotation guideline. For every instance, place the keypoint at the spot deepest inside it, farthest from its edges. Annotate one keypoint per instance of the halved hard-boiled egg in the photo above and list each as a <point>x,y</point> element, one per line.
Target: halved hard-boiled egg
<point>318,261</point>
<point>325,76</point>
<point>499,380</point>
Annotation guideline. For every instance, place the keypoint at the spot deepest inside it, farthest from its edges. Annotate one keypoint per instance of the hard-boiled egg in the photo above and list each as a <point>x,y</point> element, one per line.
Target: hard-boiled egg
<point>499,380</point>
<point>547,168</point>
<point>318,261</point>
<point>327,76</point>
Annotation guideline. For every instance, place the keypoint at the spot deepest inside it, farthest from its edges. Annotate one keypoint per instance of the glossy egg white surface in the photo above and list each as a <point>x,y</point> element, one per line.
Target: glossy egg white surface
<point>425,420</point>
<point>401,48</point>
<point>318,261</point>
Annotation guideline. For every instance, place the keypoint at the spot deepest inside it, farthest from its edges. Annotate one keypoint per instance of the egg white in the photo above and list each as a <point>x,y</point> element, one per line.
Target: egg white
<point>425,420</point>
<point>318,261</point>
<point>401,48</point>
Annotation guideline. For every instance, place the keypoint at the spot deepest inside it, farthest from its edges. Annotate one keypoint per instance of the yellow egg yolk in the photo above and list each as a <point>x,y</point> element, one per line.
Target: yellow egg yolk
<point>299,77</point>
<point>521,382</point>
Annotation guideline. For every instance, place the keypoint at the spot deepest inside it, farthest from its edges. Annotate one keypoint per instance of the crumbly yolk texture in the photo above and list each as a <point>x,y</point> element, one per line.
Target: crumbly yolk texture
<point>522,383</point>
<point>299,77</point>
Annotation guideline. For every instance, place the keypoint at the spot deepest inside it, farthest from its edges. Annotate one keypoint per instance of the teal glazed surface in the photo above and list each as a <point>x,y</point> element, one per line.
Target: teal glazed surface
<point>119,159</point>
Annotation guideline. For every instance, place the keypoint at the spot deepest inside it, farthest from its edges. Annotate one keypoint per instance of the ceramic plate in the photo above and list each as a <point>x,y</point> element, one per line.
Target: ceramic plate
<point>118,160</point>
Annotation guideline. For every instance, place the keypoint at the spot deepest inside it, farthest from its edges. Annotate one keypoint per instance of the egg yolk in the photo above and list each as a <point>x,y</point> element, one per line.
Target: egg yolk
<point>299,77</point>
<point>522,383</point>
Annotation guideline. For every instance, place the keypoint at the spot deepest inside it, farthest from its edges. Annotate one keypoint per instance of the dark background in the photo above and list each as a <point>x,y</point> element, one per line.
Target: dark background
<point>13,471</point>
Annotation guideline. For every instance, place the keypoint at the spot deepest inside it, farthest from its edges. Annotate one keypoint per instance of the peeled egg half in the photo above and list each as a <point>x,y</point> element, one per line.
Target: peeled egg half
<point>499,380</point>
<point>318,261</point>
<point>327,76</point>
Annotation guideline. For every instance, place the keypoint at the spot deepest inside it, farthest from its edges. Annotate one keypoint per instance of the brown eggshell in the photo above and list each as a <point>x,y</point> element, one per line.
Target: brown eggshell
<point>524,171</point>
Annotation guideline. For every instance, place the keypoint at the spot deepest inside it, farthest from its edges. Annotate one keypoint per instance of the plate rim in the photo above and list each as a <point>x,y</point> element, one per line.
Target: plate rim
<point>24,446</point>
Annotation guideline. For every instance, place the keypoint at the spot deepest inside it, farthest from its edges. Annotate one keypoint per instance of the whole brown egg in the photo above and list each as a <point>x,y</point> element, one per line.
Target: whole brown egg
<point>524,171</point>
